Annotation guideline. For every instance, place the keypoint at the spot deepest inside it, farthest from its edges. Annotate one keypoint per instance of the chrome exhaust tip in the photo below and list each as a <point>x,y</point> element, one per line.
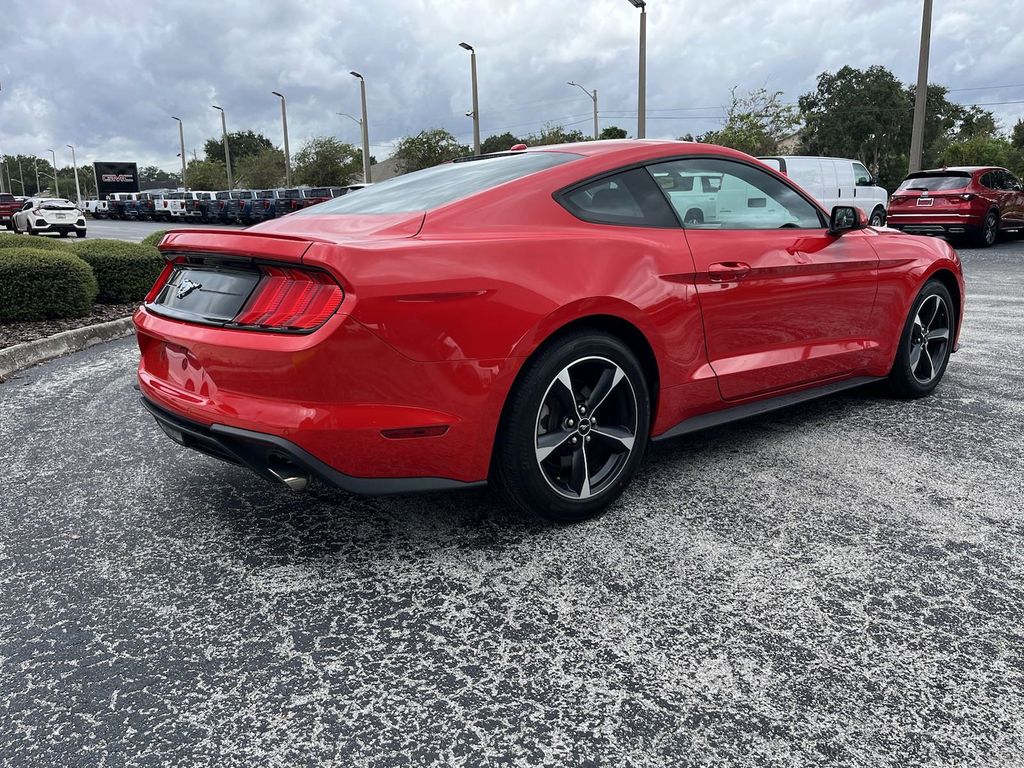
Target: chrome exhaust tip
<point>288,473</point>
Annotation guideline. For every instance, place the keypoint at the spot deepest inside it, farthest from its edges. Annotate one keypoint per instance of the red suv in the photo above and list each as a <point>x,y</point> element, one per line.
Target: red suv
<point>974,201</point>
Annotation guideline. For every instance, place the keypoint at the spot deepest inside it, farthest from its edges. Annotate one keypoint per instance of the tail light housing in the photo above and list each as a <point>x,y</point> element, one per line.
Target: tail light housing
<point>967,197</point>
<point>291,299</point>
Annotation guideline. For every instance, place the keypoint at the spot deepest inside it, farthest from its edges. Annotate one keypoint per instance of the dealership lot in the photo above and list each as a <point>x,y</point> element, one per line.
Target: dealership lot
<point>839,583</point>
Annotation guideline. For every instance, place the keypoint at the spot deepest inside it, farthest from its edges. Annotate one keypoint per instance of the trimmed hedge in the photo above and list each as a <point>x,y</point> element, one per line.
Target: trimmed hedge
<point>35,243</point>
<point>40,283</point>
<point>125,271</point>
<point>155,238</point>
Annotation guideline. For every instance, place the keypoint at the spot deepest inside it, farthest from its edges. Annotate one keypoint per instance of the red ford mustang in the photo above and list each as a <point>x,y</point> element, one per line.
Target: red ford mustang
<point>534,318</point>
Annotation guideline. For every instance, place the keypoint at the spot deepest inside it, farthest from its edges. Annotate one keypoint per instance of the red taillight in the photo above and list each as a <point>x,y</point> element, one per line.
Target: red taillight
<point>897,199</point>
<point>292,299</point>
<point>967,197</point>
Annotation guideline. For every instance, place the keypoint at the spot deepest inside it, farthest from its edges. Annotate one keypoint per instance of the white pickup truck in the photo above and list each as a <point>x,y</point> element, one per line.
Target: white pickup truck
<point>98,209</point>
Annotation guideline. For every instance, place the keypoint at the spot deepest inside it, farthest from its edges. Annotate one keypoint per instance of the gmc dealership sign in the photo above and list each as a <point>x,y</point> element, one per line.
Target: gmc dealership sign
<point>116,177</point>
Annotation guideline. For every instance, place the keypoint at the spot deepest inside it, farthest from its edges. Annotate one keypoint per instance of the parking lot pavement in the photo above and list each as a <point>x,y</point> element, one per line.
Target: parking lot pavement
<point>837,584</point>
<point>135,231</point>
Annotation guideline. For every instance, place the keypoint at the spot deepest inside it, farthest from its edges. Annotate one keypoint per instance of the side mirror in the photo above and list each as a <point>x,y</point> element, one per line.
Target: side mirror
<point>845,218</point>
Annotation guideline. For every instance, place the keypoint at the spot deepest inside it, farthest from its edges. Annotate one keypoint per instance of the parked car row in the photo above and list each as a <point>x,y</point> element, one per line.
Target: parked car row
<point>236,206</point>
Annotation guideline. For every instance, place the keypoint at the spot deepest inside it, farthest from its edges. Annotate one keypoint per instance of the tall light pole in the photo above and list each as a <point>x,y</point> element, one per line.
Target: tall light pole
<point>227,152</point>
<point>366,128</point>
<point>35,164</point>
<point>921,97</point>
<point>287,154</point>
<point>593,97</point>
<point>9,187</point>
<point>56,184</point>
<point>74,164</point>
<point>476,104</point>
<point>641,95</point>
<point>181,139</point>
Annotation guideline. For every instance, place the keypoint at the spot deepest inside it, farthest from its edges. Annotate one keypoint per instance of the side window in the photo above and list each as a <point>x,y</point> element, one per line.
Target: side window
<point>861,175</point>
<point>630,198</point>
<point>737,196</point>
<point>1012,182</point>
<point>988,180</point>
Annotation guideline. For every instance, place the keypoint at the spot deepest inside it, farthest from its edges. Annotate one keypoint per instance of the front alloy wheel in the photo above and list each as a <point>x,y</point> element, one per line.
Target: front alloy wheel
<point>877,218</point>
<point>926,343</point>
<point>575,428</point>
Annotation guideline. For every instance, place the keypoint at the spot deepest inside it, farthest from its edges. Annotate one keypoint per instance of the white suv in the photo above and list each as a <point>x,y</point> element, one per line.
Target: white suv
<point>49,214</point>
<point>833,181</point>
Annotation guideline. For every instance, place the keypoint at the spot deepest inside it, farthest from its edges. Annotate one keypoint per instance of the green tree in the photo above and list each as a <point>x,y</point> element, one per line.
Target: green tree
<point>499,143</point>
<point>264,170</point>
<point>1017,135</point>
<point>206,175</point>
<point>612,132</point>
<point>982,150</point>
<point>554,134</point>
<point>325,160</point>
<point>427,149</point>
<point>755,123</point>
<point>152,174</point>
<point>242,144</point>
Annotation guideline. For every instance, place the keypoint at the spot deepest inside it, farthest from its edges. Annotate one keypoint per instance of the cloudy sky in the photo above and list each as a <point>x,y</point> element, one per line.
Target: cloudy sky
<point>107,76</point>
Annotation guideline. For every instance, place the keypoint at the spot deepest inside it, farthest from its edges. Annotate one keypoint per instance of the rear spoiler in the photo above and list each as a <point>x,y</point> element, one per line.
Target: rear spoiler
<point>236,243</point>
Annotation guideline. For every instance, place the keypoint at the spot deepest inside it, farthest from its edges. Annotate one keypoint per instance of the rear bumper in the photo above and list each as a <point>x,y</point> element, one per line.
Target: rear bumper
<point>934,224</point>
<point>50,227</point>
<point>280,461</point>
<point>339,394</point>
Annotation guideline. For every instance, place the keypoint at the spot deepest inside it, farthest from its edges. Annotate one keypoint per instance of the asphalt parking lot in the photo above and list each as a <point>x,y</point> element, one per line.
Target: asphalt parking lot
<point>837,584</point>
<point>135,231</point>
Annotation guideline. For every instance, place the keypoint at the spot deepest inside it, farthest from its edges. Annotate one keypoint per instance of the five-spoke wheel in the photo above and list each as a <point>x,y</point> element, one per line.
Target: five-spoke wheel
<point>575,429</point>
<point>586,427</point>
<point>926,343</point>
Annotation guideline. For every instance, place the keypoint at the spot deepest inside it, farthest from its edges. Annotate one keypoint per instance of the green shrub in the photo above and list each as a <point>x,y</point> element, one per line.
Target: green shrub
<point>39,283</point>
<point>155,238</point>
<point>125,271</point>
<point>35,243</point>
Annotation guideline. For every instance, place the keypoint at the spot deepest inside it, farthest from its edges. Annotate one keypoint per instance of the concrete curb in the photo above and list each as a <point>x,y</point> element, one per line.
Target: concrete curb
<point>21,356</point>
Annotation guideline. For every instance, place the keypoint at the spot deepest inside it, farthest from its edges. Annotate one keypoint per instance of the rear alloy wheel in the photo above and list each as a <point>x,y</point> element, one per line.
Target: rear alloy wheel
<point>926,343</point>
<point>986,238</point>
<point>575,430</point>
<point>877,218</point>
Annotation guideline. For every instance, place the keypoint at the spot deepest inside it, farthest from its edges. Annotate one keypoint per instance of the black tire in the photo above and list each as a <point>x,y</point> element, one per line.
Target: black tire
<point>80,233</point>
<point>694,216</point>
<point>63,234</point>
<point>877,218</point>
<point>923,352</point>
<point>32,231</point>
<point>989,232</point>
<point>540,406</point>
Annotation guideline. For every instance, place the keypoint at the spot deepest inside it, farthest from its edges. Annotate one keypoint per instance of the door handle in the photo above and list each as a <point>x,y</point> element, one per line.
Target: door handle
<point>727,271</point>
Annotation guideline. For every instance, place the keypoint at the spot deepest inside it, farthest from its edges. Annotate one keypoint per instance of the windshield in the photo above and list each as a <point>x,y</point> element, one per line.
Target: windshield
<point>57,205</point>
<point>935,182</point>
<point>434,187</point>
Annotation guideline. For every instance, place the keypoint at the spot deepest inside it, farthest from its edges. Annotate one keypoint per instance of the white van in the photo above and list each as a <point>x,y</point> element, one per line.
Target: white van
<point>834,181</point>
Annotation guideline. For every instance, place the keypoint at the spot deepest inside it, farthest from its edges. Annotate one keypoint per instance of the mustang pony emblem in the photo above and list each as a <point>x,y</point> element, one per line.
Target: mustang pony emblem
<point>186,287</point>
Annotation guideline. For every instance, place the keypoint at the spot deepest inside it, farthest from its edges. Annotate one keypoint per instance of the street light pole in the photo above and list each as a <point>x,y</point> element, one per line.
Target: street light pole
<point>35,164</point>
<point>78,188</point>
<point>181,139</point>
<point>921,97</point>
<point>227,151</point>
<point>10,186</point>
<point>56,184</point>
<point>476,103</point>
<point>593,97</point>
<point>641,96</point>
<point>287,154</point>
<point>366,128</point>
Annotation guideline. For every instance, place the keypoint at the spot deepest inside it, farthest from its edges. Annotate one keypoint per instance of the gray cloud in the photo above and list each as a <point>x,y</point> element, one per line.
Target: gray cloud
<point>107,76</point>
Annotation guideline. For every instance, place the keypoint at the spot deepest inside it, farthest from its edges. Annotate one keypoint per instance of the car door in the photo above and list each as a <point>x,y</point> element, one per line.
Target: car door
<point>866,194</point>
<point>784,303</point>
<point>1013,198</point>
